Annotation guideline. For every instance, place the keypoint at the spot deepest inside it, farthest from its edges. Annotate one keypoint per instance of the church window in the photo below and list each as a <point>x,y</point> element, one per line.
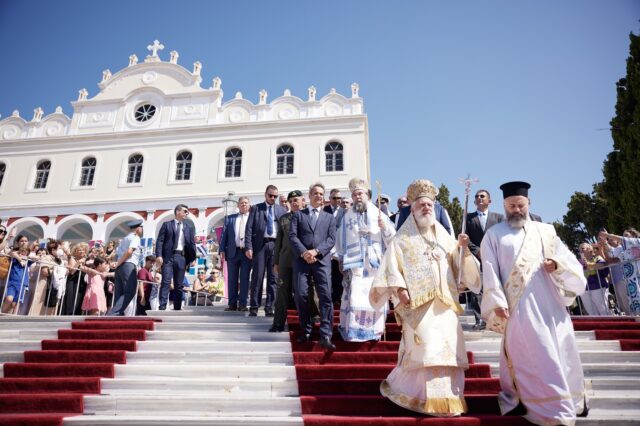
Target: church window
<point>145,112</point>
<point>3,169</point>
<point>284,160</point>
<point>183,165</point>
<point>88,171</point>
<point>333,155</point>
<point>134,172</point>
<point>42,174</point>
<point>233,162</point>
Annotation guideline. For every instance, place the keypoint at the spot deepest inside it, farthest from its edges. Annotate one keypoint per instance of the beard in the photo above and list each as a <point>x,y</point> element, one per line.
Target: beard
<point>424,221</point>
<point>516,220</point>
<point>360,206</point>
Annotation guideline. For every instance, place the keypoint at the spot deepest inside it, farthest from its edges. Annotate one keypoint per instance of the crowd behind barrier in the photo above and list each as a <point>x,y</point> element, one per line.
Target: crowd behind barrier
<point>42,285</point>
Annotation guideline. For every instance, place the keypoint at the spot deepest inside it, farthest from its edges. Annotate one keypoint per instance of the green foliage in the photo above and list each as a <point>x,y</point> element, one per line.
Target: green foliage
<point>586,216</point>
<point>453,207</point>
<point>621,169</point>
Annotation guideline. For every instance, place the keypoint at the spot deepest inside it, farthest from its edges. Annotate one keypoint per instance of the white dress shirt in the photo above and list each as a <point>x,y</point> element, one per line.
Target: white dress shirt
<point>240,232</point>
<point>180,245</point>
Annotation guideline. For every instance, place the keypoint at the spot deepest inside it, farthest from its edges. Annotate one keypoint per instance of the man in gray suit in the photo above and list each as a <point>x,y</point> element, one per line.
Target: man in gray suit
<point>478,223</point>
<point>312,236</point>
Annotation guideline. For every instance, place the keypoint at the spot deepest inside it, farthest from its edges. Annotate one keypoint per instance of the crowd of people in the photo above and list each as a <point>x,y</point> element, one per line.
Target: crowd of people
<point>510,269</point>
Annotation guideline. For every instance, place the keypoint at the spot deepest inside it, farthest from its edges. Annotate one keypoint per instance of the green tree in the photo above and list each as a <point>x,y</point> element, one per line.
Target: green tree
<point>453,207</point>
<point>585,217</point>
<point>621,169</point>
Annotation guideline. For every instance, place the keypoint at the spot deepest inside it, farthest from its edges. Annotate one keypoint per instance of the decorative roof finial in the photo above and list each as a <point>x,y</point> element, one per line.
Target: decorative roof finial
<point>332,91</point>
<point>197,66</point>
<point>82,94</point>
<point>15,113</point>
<point>217,83</point>
<point>354,90</point>
<point>133,59</point>
<point>287,92</point>
<point>58,109</point>
<point>174,57</point>
<point>37,114</point>
<point>312,93</point>
<point>153,48</point>
<point>263,97</point>
<point>238,95</point>
<point>106,75</point>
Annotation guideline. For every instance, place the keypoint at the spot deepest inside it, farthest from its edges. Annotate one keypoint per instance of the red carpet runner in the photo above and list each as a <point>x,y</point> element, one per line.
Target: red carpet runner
<point>343,387</point>
<point>49,385</point>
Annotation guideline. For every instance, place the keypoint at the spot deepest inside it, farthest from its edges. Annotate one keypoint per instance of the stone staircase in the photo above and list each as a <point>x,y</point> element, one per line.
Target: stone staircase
<point>205,366</point>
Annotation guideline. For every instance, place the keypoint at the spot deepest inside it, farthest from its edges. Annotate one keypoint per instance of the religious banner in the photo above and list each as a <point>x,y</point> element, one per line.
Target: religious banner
<point>631,267</point>
<point>218,233</point>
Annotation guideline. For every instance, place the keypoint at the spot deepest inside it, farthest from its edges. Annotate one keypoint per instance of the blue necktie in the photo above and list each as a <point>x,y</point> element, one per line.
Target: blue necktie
<point>314,218</point>
<point>270,221</point>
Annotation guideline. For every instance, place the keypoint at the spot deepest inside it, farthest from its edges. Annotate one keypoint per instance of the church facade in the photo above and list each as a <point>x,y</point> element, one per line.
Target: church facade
<point>153,137</point>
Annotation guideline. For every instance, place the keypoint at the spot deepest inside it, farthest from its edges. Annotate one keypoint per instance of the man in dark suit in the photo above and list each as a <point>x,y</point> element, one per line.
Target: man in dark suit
<point>262,230</point>
<point>335,197</point>
<point>175,251</point>
<point>477,224</point>
<point>232,248</point>
<point>312,235</point>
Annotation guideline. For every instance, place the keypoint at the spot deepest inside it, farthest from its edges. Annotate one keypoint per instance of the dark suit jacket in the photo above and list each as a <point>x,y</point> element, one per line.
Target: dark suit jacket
<point>167,241</point>
<point>474,229</point>
<point>284,252</point>
<point>441,217</point>
<point>535,217</point>
<point>303,237</point>
<point>228,240</point>
<point>257,224</point>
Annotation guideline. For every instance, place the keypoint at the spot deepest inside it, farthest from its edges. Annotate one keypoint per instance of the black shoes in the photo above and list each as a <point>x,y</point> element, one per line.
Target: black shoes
<point>325,343</point>
<point>304,338</point>
<point>230,308</point>
<point>268,312</point>
<point>479,326</point>
<point>520,410</point>
<point>276,329</point>
<point>243,309</point>
<point>253,312</point>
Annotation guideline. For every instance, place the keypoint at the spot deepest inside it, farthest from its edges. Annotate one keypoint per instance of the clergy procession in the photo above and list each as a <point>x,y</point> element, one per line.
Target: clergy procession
<point>523,274</point>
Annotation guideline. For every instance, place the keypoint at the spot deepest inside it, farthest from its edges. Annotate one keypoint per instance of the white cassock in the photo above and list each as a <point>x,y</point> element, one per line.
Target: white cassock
<point>539,360</point>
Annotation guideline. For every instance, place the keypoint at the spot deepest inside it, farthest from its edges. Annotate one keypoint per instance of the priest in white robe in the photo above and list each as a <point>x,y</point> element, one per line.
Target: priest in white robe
<point>418,273</point>
<point>360,241</point>
<point>529,277</point>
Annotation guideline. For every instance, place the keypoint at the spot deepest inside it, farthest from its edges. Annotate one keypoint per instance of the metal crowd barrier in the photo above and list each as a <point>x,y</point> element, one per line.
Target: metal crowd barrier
<point>56,310</point>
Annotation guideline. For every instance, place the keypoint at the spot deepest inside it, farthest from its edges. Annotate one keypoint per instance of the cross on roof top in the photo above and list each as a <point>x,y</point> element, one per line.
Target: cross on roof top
<point>153,48</point>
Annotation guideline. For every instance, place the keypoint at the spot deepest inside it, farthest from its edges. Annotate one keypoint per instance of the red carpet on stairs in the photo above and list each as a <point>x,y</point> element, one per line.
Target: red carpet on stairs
<point>343,387</point>
<point>49,385</point>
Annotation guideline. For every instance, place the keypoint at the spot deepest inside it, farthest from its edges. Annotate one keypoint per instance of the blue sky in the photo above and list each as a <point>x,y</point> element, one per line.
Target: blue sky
<point>502,90</point>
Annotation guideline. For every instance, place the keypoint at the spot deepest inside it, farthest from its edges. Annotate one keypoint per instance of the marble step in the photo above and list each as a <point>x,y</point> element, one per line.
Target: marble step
<point>166,420</point>
<point>259,387</point>
<point>191,370</point>
<point>222,335</point>
<point>218,357</point>
<point>192,405</point>
<point>598,384</point>
<point>602,370</point>
<point>141,420</point>
<point>586,356</point>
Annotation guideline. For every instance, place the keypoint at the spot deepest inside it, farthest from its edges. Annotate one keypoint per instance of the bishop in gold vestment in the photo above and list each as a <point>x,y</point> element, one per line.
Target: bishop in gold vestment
<point>418,273</point>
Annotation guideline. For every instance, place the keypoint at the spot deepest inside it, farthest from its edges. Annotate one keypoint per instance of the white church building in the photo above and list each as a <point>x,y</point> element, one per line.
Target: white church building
<point>153,137</point>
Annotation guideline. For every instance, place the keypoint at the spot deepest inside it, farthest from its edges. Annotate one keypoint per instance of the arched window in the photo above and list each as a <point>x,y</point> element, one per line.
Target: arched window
<point>3,169</point>
<point>183,165</point>
<point>88,171</point>
<point>42,174</point>
<point>284,158</point>
<point>233,162</point>
<point>333,157</point>
<point>134,172</point>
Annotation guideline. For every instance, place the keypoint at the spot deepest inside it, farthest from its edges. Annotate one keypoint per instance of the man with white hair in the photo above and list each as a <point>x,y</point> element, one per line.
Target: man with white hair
<point>418,272</point>
<point>529,277</point>
<point>362,234</point>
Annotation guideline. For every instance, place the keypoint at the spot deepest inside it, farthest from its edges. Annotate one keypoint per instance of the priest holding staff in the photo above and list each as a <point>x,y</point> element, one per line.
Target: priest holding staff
<point>418,272</point>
